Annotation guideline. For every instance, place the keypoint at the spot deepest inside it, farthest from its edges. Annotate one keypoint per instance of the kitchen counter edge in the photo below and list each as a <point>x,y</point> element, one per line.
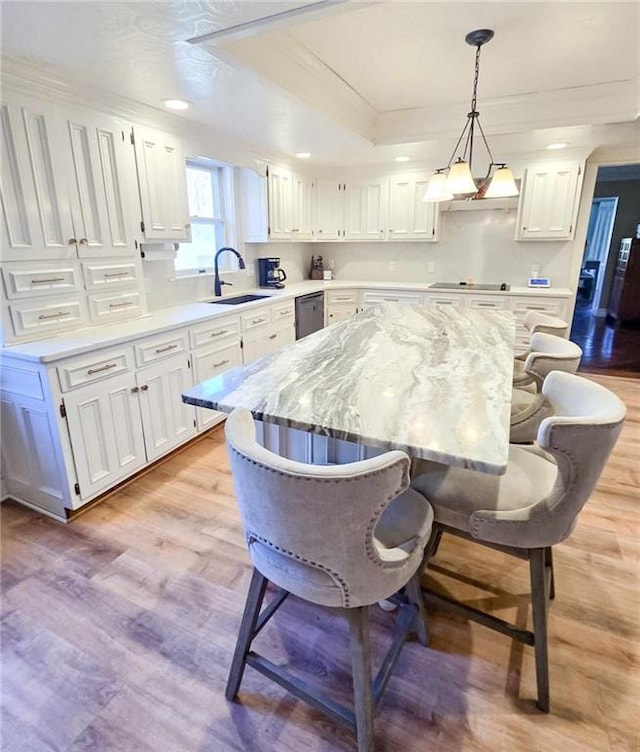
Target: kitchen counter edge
<point>167,319</point>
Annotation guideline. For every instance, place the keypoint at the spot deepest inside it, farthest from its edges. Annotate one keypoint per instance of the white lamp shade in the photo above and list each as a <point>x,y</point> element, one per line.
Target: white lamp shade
<point>460,181</point>
<point>502,184</point>
<point>437,189</point>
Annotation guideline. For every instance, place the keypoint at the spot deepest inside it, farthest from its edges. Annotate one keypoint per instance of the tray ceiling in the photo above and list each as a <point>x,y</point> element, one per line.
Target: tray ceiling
<point>349,81</point>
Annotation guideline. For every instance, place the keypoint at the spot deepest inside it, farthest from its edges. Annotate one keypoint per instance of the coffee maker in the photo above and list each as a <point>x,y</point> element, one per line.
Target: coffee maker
<point>269,273</point>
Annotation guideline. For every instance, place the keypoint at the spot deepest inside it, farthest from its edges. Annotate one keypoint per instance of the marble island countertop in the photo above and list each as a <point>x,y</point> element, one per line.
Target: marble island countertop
<point>434,382</point>
<point>91,338</point>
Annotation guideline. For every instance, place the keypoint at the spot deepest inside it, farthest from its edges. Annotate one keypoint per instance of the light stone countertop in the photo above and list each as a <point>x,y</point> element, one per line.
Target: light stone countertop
<point>434,382</point>
<point>92,338</point>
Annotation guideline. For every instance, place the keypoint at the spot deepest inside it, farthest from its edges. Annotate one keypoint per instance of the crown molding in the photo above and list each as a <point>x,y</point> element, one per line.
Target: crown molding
<point>597,104</point>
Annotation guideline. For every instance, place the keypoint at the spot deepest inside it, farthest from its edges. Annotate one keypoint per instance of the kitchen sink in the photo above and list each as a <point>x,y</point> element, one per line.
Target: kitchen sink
<point>238,299</point>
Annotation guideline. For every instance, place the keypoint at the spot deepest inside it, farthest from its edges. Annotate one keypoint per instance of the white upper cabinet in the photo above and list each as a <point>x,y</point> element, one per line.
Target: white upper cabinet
<point>101,183</point>
<point>37,219</point>
<point>162,180</point>
<point>410,218</point>
<point>303,193</point>
<point>68,182</point>
<point>366,205</point>
<point>549,201</point>
<point>290,205</point>
<point>280,203</point>
<point>329,209</point>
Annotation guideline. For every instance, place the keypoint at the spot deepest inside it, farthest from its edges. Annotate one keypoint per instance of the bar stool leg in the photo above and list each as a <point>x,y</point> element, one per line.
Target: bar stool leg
<point>361,668</point>
<point>539,608</point>
<point>250,616</point>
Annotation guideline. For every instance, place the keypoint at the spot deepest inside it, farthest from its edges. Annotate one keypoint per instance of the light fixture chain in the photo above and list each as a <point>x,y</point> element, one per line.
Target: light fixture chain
<point>474,98</point>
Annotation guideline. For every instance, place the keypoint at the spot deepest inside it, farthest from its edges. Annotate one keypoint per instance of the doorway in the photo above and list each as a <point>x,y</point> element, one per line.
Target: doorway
<point>609,345</point>
<point>596,253</point>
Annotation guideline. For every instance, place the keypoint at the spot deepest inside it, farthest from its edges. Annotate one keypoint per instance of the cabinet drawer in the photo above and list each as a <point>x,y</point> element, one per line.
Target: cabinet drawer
<point>21,282</point>
<point>445,299</point>
<point>91,368</point>
<point>106,308</point>
<point>487,301</point>
<point>392,296</point>
<point>255,319</point>
<point>99,276</point>
<point>217,361</point>
<point>342,296</point>
<point>281,311</point>
<point>166,346</point>
<point>59,315</point>
<point>214,331</point>
<point>522,305</point>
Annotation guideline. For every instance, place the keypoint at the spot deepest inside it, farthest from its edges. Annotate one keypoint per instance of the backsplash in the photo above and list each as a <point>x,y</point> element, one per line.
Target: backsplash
<point>476,244</point>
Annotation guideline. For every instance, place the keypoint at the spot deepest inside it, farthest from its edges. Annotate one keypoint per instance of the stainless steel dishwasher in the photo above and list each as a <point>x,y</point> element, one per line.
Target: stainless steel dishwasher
<point>309,314</point>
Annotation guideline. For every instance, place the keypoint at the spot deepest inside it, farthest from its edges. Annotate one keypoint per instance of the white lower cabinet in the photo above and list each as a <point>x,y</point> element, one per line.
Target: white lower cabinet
<point>341,305</point>
<point>106,432</point>
<point>372,298</point>
<point>211,362</point>
<point>166,420</point>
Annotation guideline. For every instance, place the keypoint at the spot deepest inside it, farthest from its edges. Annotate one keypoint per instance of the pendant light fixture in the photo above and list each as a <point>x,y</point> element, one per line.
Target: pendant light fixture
<point>456,180</point>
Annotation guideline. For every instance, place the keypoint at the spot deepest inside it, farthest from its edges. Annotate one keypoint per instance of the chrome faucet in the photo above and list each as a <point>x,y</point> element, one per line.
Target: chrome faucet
<point>217,282</point>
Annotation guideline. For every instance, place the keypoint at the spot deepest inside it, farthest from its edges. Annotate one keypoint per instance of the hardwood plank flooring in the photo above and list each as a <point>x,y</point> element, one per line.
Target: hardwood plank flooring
<point>118,630</point>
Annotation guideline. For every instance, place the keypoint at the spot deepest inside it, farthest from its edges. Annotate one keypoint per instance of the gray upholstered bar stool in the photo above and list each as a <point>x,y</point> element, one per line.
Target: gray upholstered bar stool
<point>535,504</point>
<point>343,536</point>
<point>547,353</point>
<point>535,321</point>
<point>529,407</point>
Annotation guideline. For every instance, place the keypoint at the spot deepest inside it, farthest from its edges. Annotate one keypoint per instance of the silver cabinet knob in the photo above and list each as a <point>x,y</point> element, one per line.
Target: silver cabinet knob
<point>144,387</point>
<point>84,241</point>
<point>72,241</point>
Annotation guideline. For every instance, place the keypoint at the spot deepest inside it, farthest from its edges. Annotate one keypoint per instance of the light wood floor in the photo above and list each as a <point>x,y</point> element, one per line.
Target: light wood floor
<point>118,630</point>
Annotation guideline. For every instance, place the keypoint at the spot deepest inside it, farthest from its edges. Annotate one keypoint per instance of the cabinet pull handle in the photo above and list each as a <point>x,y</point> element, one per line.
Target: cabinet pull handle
<point>258,321</point>
<point>126,304</point>
<point>115,274</point>
<point>108,367</point>
<point>535,308</point>
<point>221,363</point>
<point>84,241</point>
<point>166,349</point>
<point>187,226</point>
<point>392,300</point>
<point>219,333</point>
<point>71,241</point>
<point>135,389</point>
<point>273,336</point>
<point>486,305</point>
<point>48,279</point>
<point>57,315</point>
<point>144,387</point>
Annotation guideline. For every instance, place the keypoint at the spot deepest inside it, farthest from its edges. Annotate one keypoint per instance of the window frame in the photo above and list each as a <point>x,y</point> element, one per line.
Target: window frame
<point>221,176</point>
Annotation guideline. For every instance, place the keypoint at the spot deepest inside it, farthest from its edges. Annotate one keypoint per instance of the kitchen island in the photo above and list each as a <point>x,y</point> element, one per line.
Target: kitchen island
<point>434,382</point>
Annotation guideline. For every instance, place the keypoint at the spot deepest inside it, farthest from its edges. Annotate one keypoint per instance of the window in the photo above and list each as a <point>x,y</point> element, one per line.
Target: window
<point>208,186</point>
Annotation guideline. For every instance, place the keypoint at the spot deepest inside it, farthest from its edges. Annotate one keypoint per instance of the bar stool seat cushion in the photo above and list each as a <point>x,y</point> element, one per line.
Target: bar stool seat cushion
<point>457,494</point>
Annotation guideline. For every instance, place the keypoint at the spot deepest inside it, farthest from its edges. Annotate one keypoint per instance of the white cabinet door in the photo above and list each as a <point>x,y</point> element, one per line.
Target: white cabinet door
<point>280,204</point>
<point>340,312</point>
<point>162,180</point>
<point>303,192</point>
<point>410,218</point>
<point>549,202</point>
<point>106,433</point>
<point>366,205</point>
<point>329,209</point>
<point>37,220</point>
<point>102,182</point>
<point>208,364</point>
<point>166,420</point>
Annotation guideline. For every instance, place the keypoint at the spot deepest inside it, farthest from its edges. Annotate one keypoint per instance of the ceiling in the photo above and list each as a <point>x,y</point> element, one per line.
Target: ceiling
<point>354,82</point>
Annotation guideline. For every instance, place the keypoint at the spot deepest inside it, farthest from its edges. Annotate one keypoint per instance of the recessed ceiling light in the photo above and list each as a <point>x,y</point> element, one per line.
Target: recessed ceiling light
<point>403,159</point>
<point>176,104</point>
<point>303,154</point>
<point>559,145</point>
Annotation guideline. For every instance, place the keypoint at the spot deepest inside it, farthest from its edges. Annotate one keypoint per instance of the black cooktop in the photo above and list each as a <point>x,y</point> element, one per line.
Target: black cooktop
<point>466,286</point>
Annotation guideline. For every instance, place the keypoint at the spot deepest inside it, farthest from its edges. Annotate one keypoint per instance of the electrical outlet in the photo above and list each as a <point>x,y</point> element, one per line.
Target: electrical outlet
<point>431,267</point>
<point>392,266</point>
